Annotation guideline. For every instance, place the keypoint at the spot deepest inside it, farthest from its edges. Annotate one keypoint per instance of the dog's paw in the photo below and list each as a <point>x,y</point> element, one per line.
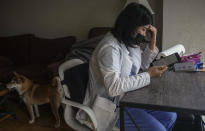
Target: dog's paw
<point>31,121</point>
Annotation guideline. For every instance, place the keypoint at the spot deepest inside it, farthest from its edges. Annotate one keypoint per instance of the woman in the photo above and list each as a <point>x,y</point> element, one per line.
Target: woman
<point>114,70</point>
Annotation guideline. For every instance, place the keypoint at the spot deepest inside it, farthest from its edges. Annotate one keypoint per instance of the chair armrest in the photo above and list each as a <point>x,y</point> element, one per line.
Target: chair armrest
<point>67,65</point>
<point>87,109</point>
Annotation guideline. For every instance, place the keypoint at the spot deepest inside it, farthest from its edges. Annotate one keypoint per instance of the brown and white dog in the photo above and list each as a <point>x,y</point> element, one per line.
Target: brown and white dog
<point>37,94</point>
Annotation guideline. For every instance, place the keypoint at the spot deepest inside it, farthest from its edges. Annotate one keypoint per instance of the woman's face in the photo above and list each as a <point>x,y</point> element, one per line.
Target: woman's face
<point>142,30</point>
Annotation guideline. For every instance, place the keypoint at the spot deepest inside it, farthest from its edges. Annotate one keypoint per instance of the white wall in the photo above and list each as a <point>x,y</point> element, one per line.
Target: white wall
<point>56,18</point>
<point>184,22</point>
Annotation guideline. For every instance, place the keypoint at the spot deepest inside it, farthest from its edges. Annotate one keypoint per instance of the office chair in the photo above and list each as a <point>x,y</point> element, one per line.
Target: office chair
<point>69,111</point>
<point>76,71</point>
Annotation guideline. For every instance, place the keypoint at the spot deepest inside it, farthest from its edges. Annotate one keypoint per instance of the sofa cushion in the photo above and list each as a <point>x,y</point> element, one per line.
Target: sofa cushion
<point>36,72</point>
<point>46,51</point>
<point>5,62</point>
<point>16,48</point>
<point>6,66</point>
<point>5,73</point>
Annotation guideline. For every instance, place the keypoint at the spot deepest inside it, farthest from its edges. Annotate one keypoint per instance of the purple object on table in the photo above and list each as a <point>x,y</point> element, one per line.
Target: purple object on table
<point>195,58</point>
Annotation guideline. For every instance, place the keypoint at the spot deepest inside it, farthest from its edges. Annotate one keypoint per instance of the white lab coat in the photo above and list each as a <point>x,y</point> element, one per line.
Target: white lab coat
<point>109,71</point>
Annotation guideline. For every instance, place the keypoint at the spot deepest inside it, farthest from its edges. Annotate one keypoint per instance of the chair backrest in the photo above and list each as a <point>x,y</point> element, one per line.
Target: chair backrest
<point>76,79</point>
<point>62,68</point>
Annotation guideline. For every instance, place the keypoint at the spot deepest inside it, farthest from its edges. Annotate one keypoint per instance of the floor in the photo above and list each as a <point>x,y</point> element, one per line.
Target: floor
<point>44,123</point>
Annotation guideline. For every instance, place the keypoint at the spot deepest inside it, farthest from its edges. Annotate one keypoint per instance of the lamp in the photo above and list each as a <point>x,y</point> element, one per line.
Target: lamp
<point>143,2</point>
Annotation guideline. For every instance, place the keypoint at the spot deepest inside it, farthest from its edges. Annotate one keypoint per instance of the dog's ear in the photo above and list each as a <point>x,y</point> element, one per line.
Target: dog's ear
<point>19,77</point>
<point>10,76</point>
<point>16,74</point>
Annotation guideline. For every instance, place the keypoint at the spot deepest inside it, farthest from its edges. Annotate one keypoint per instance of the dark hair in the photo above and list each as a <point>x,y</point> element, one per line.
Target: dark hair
<point>133,16</point>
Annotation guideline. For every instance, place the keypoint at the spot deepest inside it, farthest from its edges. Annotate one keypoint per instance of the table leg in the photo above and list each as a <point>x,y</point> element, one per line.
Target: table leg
<point>122,127</point>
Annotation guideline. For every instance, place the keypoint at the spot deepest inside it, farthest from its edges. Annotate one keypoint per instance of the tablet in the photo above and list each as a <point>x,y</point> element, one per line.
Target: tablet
<point>168,60</point>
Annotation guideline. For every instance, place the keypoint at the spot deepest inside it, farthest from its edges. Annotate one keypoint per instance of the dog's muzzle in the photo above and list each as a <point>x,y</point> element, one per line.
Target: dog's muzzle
<point>11,86</point>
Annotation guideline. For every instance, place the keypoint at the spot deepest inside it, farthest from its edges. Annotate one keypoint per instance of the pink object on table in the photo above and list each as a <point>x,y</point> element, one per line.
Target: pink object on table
<point>195,58</point>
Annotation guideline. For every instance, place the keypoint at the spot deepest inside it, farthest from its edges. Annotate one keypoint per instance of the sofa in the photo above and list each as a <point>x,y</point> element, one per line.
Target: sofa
<point>32,56</point>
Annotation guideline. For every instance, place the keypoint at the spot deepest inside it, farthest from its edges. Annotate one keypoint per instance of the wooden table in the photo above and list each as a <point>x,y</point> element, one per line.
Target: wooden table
<point>174,91</point>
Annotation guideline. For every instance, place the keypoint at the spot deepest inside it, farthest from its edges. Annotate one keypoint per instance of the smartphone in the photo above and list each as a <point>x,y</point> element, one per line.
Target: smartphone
<point>168,60</point>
